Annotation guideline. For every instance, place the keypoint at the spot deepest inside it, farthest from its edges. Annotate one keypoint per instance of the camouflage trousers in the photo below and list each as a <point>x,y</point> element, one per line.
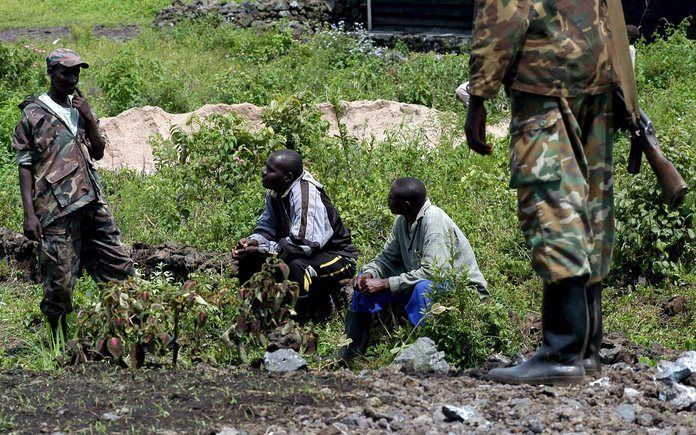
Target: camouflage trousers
<point>561,164</point>
<point>86,239</point>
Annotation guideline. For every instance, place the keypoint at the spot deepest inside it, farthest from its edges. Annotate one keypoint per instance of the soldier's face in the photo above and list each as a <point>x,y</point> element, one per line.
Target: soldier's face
<point>65,79</point>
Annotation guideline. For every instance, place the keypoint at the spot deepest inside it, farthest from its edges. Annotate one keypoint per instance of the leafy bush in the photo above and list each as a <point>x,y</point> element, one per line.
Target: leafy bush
<point>213,160</point>
<point>297,120</point>
<point>155,316</point>
<point>267,302</point>
<point>652,240</point>
<point>123,79</point>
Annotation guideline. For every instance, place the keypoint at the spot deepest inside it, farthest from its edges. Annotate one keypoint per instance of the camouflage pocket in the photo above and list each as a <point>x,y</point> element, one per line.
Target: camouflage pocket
<point>67,183</point>
<point>534,150</point>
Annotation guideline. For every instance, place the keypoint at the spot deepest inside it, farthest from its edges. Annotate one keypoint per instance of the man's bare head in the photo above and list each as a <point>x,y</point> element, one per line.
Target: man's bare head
<point>633,33</point>
<point>282,169</point>
<point>407,196</point>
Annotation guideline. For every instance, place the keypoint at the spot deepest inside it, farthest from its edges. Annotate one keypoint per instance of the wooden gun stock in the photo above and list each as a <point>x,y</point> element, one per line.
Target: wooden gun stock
<point>644,141</point>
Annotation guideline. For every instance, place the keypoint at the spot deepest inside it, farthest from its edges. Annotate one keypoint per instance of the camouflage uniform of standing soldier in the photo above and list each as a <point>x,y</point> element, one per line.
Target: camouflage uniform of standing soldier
<point>57,139</point>
<point>552,57</point>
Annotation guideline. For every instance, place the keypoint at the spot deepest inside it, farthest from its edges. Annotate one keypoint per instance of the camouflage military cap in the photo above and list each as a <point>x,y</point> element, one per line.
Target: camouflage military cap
<point>65,57</point>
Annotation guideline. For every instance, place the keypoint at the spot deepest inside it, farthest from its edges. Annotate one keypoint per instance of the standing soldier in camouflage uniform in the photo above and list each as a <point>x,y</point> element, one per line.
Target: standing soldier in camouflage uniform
<point>57,139</point>
<point>552,56</point>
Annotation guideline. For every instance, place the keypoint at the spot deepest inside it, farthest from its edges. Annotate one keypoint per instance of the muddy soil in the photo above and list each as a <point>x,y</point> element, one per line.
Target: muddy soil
<point>117,33</point>
<point>99,397</point>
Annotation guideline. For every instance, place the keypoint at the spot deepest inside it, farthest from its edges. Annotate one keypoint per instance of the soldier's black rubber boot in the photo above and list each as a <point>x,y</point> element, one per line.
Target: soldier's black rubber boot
<point>564,329</point>
<point>591,361</point>
<point>358,330</point>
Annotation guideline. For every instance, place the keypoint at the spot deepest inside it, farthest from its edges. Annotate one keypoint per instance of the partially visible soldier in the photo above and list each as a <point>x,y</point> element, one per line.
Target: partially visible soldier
<point>57,139</point>
<point>553,59</point>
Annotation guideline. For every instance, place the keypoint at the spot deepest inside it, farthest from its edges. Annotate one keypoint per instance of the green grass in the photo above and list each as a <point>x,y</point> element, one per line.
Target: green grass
<point>58,13</point>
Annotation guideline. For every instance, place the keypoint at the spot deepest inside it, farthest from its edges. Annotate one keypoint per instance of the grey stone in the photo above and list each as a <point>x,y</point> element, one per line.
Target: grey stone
<point>110,416</point>
<point>228,430</point>
<point>679,370</point>
<point>498,360</point>
<point>626,411</point>
<point>280,5</point>
<point>601,383</point>
<point>439,415</point>
<point>534,425</point>
<point>466,413</point>
<point>645,419</point>
<point>630,393</point>
<point>520,403</point>
<point>294,5</point>
<point>283,360</point>
<point>423,357</point>
<point>284,13</point>
<point>620,366</point>
<point>681,396</point>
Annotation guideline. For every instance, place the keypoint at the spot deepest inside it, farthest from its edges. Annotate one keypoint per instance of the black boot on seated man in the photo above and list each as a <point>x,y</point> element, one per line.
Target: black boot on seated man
<point>564,329</point>
<point>358,330</point>
<point>591,362</point>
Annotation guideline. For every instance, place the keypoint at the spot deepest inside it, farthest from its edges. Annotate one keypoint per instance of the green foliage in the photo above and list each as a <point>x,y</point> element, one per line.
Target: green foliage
<point>21,68</point>
<point>652,240</point>
<point>468,329</point>
<point>297,120</point>
<point>123,81</point>
<point>154,316</point>
<point>267,302</point>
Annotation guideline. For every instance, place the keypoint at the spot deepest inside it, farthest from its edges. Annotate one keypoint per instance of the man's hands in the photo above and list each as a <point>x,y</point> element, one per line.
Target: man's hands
<point>245,247</point>
<point>475,126</point>
<point>82,105</point>
<point>32,228</point>
<point>366,284</point>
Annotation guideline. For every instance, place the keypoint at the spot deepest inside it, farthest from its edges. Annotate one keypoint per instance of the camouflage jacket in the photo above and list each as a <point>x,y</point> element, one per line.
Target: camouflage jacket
<point>547,47</point>
<point>64,174</point>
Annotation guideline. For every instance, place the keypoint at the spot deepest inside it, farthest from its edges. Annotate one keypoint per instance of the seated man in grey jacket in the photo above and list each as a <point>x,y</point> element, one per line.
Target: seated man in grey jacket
<point>424,242</point>
<point>301,226</point>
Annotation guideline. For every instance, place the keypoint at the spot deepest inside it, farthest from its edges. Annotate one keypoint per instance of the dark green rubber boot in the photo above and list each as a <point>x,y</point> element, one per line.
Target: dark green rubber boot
<point>591,362</point>
<point>564,329</point>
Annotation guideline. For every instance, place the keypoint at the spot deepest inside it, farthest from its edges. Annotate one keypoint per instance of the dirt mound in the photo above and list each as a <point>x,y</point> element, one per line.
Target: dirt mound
<point>128,133</point>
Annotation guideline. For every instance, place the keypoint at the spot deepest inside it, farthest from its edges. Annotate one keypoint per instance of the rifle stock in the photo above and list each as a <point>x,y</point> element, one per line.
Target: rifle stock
<point>644,141</point>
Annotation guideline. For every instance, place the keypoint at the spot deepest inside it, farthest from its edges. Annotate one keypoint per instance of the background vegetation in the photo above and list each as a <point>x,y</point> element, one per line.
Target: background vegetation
<point>207,190</point>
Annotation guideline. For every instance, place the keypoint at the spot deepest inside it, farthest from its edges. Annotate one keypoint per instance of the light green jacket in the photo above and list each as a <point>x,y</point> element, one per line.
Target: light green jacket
<point>432,245</point>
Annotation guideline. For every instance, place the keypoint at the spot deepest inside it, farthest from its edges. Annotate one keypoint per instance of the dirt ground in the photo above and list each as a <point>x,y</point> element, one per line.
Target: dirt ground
<point>117,33</point>
<point>101,398</point>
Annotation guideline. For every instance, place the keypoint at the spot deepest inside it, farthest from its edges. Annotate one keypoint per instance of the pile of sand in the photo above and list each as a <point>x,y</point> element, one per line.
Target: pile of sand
<point>128,133</point>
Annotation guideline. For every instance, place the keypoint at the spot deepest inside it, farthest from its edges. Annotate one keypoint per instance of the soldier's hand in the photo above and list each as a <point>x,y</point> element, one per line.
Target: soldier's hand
<point>475,126</point>
<point>32,228</point>
<point>82,105</point>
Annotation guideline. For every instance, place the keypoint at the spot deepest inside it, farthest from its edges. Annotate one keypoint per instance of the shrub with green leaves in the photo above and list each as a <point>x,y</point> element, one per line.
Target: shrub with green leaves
<point>267,302</point>
<point>467,328</point>
<point>654,241</point>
